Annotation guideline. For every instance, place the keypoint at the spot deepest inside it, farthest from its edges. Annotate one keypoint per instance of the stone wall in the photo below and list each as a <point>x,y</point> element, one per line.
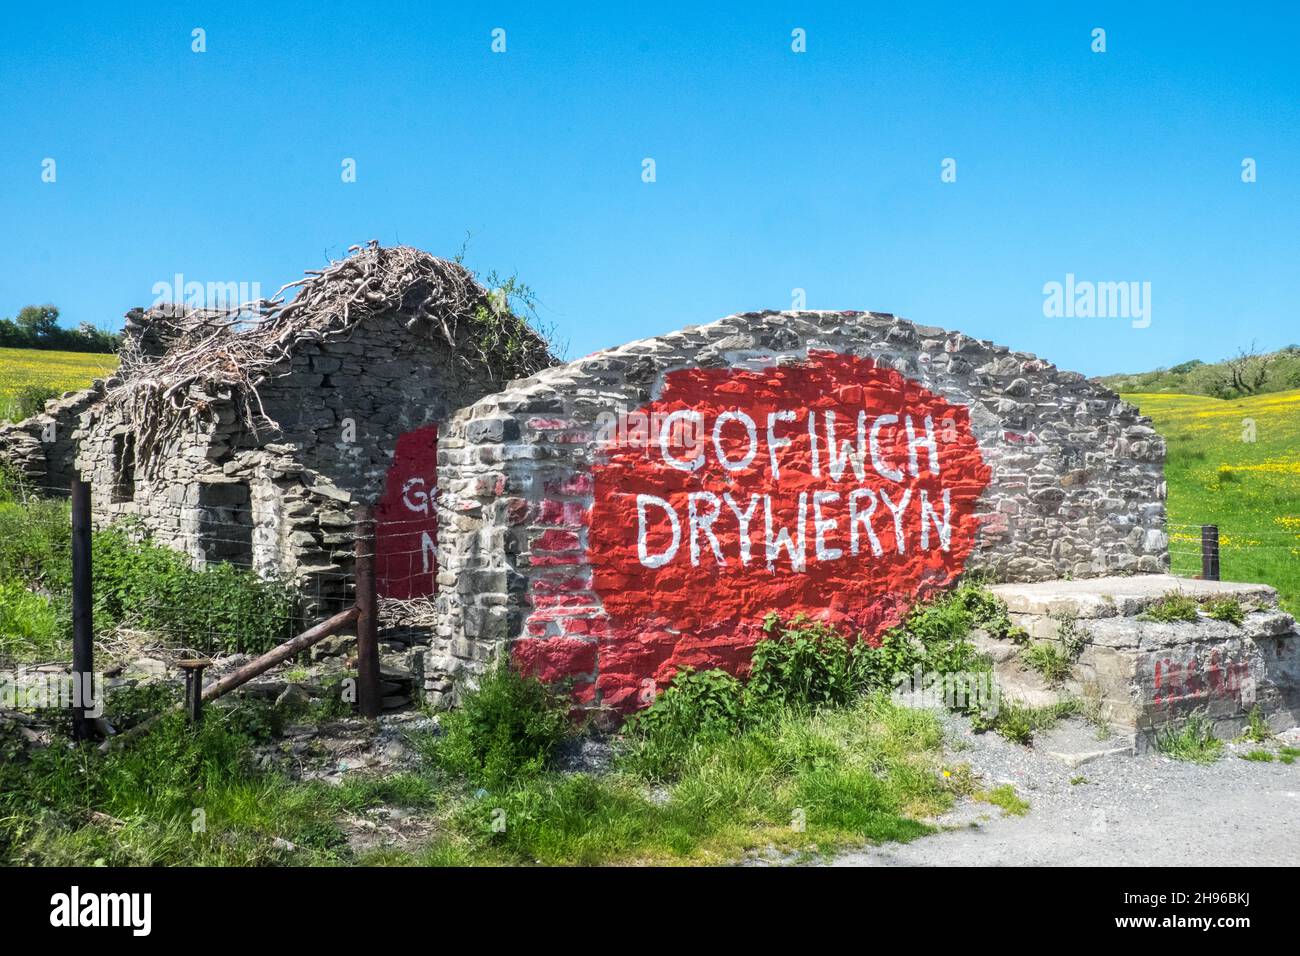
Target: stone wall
<point>41,449</point>
<point>281,499</point>
<point>639,510</point>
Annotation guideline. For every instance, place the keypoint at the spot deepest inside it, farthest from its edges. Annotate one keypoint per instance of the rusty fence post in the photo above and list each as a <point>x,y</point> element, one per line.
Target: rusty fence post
<point>367,615</point>
<point>1210,552</point>
<point>83,614</point>
<point>193,669</point>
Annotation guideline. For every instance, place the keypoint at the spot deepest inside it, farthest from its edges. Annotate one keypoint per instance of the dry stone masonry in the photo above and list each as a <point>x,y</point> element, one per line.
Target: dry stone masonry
<point>641,509</point>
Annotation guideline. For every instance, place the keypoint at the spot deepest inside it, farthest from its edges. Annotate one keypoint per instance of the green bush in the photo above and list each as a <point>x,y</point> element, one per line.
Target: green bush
<point>505,729</point>
<point>695,709</point>
<point>806,664</point>
<point>36,544</point>
<point>220,607</point>
<point>31,626</point>
<point>136,582</point>
<point>30,400</point>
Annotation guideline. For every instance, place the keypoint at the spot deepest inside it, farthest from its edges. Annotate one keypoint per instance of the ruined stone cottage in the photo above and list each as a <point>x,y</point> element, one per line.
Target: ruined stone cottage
<point>251,440</point>
<point>609,521</point>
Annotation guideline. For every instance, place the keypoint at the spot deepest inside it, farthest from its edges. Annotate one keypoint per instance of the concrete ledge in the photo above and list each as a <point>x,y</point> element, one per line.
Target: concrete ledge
<point>1146,675</point>
<point>1121,596</point>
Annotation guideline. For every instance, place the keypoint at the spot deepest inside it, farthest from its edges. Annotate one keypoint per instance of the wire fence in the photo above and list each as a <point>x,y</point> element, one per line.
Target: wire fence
<point>214,580</point>
<point>242,577</point>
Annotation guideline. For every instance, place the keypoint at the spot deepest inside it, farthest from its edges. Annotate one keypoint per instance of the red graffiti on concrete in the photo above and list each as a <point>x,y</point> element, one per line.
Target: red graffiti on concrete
<point>406,523</point>
<point>1193,682</point>
<point>830,486</point>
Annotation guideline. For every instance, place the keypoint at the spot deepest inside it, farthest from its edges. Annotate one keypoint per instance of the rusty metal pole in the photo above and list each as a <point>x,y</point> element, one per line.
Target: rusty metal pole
<point>193,669</point>
<point>83,614</point>
<point>367,615</point>
<point>1210,552</point>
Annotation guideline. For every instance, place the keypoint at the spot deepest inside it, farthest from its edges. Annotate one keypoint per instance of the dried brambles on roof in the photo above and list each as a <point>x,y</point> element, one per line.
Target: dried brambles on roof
<point>179,365</point>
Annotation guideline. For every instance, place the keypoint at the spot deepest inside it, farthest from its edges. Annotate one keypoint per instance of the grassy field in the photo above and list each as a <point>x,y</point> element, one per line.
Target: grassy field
<point>1234,463</point>
<point>60,371</point>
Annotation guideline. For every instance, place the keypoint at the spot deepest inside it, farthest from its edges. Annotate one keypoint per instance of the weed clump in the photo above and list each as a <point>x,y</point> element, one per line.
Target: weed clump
<point>1226,609</point>
<point>1194,741</point>
<point>1049,660</point>
<point>1172,608</point>
<point>505,729</point>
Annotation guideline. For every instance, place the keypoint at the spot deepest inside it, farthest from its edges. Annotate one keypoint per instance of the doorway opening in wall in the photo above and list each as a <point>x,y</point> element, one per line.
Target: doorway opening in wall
<point>226,522</point>
<point>123,468</point>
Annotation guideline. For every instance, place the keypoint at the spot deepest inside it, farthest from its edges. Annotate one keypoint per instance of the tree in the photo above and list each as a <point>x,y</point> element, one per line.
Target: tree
<point>1246,373</point>
<point>40,321</point>
<point>37,327</point>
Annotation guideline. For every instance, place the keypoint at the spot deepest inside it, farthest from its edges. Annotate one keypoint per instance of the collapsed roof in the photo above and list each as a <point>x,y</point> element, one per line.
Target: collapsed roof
<point>178,364</point>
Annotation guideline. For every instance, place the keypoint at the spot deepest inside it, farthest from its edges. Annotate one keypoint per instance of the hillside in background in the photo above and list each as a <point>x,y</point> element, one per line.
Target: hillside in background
<point>30,376</point>
<point>1235,464</point>
<point>1247,373</point>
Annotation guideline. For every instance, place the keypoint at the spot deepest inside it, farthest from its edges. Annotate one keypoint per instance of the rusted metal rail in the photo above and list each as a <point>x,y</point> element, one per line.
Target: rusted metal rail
<point>241,675</point>
<point>278,654</point>
<point>364,613</point>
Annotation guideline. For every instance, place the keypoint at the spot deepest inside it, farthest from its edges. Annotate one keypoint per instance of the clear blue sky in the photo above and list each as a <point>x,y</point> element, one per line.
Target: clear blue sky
<point>775,170</point>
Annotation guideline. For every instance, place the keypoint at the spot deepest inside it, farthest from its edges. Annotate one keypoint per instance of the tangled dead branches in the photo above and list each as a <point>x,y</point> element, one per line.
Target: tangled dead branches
<point>180,365</point>
<point>407,612</point>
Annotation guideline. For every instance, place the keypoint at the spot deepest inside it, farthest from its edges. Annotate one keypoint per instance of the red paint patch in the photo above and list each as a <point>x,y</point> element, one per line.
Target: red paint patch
<point>406,522</point>
<point>554,658</point>
<point>680,582</point>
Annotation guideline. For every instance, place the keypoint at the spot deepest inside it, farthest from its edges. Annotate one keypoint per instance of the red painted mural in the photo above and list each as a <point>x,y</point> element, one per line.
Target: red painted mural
<point>830,486</point>
<point>406,522</point>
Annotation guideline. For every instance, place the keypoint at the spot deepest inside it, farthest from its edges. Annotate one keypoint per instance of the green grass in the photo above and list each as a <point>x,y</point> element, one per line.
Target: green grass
<point>1019,723</point>
<point>1194,741</point>
<point>799,782</point>
<point>1257,508</point>
<point>1005,797</point>
<point>1049,660</point>
<point>1257,730</point>
<point>56,371</point>
<point>1259,756</point>
<point>840,777</point>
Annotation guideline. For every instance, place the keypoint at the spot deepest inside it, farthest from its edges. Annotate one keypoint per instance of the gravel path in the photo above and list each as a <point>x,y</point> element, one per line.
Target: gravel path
<point>1131,811</point>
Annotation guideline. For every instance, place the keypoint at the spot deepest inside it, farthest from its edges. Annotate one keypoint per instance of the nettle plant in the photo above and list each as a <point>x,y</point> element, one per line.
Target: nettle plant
<point>805,665</point>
